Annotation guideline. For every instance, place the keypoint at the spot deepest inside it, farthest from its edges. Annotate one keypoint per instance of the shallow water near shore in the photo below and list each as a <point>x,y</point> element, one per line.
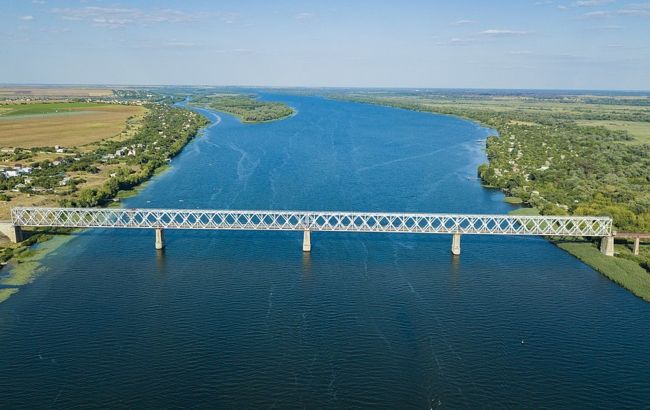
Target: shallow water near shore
<point>245,319</point>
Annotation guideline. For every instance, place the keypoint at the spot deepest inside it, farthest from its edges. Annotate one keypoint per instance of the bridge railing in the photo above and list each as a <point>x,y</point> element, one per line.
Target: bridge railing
<point>312,221</point>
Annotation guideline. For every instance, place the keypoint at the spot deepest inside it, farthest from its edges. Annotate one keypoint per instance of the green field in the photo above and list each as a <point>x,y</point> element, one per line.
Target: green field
<point>9,110</point>
<point>639,130</point>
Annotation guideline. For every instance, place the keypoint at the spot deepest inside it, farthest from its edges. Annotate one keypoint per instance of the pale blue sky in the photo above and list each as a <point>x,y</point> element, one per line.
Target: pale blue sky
<point>588,44</point>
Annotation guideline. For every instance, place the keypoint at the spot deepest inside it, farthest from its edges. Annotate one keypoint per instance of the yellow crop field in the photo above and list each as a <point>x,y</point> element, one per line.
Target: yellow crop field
<point>65,124</point>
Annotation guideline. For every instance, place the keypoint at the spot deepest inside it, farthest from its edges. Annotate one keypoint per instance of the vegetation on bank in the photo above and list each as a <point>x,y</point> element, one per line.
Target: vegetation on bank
<point>245,107</point>
<point>625,272</point>
<point>544,159</point>
<point>111,165</point>
<point>90,175</point>
<point>164,133</point>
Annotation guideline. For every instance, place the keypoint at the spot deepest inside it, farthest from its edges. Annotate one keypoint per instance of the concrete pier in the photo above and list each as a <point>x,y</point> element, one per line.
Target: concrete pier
<point>455,244</point>
<point>11,231</point>
<point>607,245</point>
<point>637,245</point>
<point>160,239</point>
<point>306,241</point>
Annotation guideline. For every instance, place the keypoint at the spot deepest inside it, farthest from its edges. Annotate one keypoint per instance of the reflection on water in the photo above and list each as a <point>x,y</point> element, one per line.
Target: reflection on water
<point>245,319</point>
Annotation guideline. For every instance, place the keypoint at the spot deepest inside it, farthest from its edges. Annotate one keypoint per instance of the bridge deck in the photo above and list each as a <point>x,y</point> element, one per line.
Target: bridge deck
<point>313,221</point>
<point>632,235</point>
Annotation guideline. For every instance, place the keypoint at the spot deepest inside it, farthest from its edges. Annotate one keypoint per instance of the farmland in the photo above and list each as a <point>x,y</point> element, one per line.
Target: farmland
<point>66,124</point>
<point>640,131</point>
<point>18,92</point>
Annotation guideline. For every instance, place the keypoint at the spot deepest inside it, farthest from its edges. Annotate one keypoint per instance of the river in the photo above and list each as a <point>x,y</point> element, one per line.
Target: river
<point>245,319</point>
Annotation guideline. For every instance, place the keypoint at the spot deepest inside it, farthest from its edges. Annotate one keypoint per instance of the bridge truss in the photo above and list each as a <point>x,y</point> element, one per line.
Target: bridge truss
<point>313,221</point>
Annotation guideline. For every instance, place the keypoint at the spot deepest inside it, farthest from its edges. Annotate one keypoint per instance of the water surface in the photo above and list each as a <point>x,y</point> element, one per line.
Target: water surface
<point>245,319</point>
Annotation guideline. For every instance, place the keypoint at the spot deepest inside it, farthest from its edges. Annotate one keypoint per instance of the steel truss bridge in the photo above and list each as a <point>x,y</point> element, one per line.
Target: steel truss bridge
<point>308,221</point>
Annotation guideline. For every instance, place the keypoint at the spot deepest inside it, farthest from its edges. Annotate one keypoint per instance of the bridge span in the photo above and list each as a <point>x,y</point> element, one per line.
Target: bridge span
<point>308,221</point>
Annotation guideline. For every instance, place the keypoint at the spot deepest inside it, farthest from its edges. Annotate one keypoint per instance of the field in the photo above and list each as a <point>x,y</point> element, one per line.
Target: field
<point>639,130</point>
<point>53,92</point>
<point>65,124</point>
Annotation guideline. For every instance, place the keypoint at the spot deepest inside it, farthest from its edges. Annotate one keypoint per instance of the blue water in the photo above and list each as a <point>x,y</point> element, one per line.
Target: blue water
<point>246,320</point>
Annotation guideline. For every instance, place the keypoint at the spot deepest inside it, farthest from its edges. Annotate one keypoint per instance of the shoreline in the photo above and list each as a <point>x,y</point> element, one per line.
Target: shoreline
<point>25,265</point>
<point>624,272</point>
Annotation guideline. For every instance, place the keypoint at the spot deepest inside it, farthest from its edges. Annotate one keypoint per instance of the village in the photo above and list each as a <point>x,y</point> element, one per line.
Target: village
<point>61,174</point>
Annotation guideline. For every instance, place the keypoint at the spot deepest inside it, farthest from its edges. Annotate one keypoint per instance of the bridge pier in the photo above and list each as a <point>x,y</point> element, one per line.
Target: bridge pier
<point>11,231</point>
<point>306,241</point>
<point>607,245</point>
<point>637,245</point>
<point>160,238</point>
<point>455,244</point>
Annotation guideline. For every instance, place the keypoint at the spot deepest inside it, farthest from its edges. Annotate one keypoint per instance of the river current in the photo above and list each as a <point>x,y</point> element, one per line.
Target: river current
<point>246,320</point>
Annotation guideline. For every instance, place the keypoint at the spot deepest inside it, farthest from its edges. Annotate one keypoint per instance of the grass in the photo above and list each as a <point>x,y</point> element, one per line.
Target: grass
<point>524,212</point>
<point>46,108</point>
<point>625,272</point>
<point>66,124</point>
<point>639,130</point>
<point>513,200</point>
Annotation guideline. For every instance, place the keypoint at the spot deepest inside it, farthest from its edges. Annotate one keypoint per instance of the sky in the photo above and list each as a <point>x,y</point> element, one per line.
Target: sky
<point>543,44</point>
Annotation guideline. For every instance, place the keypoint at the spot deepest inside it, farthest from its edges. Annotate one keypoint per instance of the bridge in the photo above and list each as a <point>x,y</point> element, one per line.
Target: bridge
<point>636,236</point>
<point>308,221</point>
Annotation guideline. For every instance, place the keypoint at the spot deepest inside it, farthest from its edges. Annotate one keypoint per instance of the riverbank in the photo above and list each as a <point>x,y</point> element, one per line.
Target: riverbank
<point>624,272</point>
<point>536,149</point>
<point>151,149</point>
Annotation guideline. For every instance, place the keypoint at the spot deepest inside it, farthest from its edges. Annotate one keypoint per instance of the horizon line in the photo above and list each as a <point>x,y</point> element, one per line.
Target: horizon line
<point>107,85</point>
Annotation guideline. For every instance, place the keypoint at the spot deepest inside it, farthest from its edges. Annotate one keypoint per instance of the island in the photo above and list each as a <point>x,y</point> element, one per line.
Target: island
<point>246,107</point>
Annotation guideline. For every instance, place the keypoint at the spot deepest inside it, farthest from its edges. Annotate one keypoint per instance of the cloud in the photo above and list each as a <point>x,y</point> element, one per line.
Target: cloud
<point>503,33</point>
<point>593,3</point>
<point>519,52</point>
<point>630,10</point>
<point>27,18</point>
<point>179,44</point>
<point>304,16</point>
<point>482,37</point>
<point>457,41</point>
<point>597,14</point>
<point>117,16</point>
<point>633,12</point>
<point>464,22</point>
